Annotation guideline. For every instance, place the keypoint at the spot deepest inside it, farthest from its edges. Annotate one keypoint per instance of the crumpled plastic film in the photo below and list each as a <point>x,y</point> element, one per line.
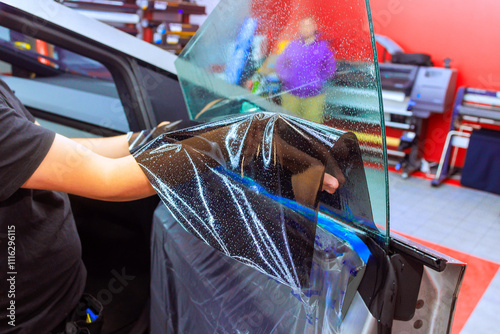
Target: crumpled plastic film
<point>138,139</point>
<point>196,289</point>
<point>248,186</point>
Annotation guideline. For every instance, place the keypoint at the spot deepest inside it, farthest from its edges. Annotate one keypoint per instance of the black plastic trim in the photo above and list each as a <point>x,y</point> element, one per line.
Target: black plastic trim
<point>435,263</point>
<point>73,123</point>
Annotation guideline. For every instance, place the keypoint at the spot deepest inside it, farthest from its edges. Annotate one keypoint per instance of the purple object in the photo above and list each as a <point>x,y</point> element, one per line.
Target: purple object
<point>304,68</point>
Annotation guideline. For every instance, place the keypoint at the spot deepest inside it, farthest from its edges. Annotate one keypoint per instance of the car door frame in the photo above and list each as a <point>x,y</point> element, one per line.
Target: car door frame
<point>135,100</point>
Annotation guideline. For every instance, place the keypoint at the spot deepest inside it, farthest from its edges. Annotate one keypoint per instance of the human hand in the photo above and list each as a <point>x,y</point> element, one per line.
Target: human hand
<point>161,128</point>
<point>330,184</point>
<point>162,124</point>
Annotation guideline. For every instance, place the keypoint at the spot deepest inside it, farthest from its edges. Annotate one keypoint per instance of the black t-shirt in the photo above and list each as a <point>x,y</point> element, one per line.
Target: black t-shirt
<point>48,272</point>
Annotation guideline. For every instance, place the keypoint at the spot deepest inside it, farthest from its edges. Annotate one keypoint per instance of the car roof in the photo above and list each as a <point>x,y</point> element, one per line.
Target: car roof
<point>70,19</point>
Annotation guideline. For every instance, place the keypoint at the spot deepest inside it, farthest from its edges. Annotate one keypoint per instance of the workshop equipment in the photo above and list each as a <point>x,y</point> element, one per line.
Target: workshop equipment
<point>473,110</point>
<point>410,95</point>
<point>411,90</point>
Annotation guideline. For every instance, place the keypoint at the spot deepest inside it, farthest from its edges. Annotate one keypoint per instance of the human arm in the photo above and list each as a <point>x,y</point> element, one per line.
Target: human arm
<point>73,168</point>
<point>37,158</point>
<point>113,147</point>
<point>109,147</point>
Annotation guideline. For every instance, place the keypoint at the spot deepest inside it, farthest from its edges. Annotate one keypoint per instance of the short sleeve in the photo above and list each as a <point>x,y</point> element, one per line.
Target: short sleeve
<point>23,146</point>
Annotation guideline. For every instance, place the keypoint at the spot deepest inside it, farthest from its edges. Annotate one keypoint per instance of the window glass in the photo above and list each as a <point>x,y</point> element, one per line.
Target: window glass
<point>311,59</point>
<point>52,79</point>
<point>164,94</point>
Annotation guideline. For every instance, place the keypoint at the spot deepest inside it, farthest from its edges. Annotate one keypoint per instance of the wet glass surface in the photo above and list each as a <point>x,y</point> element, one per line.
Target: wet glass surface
<point>310,59</point>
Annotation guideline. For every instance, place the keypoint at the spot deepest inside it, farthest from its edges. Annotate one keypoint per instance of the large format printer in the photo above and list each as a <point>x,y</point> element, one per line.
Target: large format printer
<point>411,94</point>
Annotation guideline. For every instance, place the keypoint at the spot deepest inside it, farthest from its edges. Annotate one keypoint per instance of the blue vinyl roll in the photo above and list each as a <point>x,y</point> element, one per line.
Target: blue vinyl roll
<point>482,163</point>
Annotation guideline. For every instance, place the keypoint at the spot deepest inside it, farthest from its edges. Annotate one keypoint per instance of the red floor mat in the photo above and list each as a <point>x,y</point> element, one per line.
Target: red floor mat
<point>478,276</point>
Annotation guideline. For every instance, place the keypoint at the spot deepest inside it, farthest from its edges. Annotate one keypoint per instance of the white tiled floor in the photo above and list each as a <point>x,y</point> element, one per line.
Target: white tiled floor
<point>460,218</point>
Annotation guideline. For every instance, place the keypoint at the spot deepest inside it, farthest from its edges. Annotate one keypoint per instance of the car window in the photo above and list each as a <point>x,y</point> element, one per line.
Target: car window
<point>164,93</point>
<point>314,61</point>
<point>55,81</point>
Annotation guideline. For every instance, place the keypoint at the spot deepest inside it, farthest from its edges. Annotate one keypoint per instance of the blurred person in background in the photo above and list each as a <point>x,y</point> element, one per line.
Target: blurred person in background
<point>304,67</point>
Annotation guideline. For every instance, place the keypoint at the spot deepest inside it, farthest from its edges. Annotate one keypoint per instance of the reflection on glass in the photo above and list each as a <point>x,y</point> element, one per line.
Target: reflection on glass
<point>305,58</point>
<point>48,59</point>
<point>303,68</point>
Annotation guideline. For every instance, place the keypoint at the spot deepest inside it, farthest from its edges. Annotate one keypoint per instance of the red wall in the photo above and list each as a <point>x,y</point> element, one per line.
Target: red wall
<point>342,22</point>
<point>466,31</point>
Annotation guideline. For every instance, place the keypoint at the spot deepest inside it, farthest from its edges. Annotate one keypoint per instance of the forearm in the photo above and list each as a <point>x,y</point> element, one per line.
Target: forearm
<point>72,168</point>
<point>124,180</point>
<point>110,147</point>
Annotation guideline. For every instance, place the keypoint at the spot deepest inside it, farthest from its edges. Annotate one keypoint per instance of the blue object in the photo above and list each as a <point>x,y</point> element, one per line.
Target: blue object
<point>455,116</point>
<point>91,314</point>
<point>238,59</point>
<point>324,221</point>
<point>482,163</point>
<point>344,234</point>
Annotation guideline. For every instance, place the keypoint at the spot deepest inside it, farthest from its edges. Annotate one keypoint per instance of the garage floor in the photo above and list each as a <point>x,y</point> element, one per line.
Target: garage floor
<point>466,223</point>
